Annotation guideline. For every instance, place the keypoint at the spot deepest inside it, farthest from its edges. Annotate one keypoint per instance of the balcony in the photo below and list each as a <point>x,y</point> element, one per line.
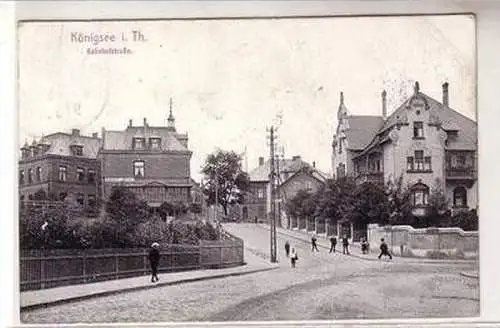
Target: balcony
<point>374,177</point>
<point>461,173</point>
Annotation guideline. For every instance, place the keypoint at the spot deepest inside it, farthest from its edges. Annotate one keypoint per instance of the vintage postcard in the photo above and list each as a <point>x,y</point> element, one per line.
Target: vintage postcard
<point>257,169</point>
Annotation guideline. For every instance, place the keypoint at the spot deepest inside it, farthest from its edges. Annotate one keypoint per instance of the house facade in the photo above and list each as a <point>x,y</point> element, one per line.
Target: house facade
<point>294,175</point>
<point>424,141</point>
<point>151,161</point>
<point>65,167</point>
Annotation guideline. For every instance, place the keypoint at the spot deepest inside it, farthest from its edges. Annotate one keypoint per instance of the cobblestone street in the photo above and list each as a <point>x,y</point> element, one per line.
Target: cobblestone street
<point>323,286</point>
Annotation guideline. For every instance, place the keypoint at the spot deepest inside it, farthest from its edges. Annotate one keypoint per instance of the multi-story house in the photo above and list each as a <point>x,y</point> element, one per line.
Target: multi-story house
<point>294,175</point>
<point>424,141</point>
<point>65,167</point>
<point>152,161</point>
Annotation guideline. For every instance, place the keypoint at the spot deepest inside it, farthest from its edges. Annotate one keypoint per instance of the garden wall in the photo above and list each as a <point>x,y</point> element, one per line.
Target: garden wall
<point>404,240</point>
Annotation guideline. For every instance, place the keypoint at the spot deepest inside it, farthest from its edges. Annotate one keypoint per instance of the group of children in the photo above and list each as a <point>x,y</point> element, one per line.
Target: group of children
<point>384,250</point>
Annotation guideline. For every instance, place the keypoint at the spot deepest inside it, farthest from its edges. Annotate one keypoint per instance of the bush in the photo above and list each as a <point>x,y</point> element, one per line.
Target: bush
<point>468,221</point>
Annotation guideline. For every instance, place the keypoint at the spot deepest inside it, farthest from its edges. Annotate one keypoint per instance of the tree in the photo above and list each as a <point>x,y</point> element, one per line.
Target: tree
<point>437,214</point>
<point>399,202</point>
<point>336,200</point>
<point>40,194</point>
<point>223,173</point>
<point>302,205</point>
<point>371,204</point>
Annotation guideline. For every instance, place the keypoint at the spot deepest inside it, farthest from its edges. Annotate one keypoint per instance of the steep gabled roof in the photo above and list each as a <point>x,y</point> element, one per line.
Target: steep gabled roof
<point>451,120</point>
<point>361,130</point>
<point>60,144</point>
<point>122,140</point>
<point>287,167</point>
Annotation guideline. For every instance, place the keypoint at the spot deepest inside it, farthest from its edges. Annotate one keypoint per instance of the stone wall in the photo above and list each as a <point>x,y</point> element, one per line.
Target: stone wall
<point>427,242</point>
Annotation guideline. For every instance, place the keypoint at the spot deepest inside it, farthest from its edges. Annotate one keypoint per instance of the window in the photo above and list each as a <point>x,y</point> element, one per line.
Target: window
<point>418,130</point>
<point>340,146</point>
<point>139,169</point>
<point>420,195</point>
<point>80,176</point>
<point>260,193</point>
<point>308,185</point>
<point>39,174</point>
<point>419,160</point>
<point>91,176</point>
<point>92,201</point>
<point>62,173</point>
<point>409,164</point>
<point>427,163</point>
<point>21,177</point>
<point>138,143</point>
<point>62,196</point>
<point>460,197</point>
<point>377,166</point>
<point>461,160</point>
<point>80,199</point>
<point>77,150</point>
<point>30,176</point>
<point>155,143</point>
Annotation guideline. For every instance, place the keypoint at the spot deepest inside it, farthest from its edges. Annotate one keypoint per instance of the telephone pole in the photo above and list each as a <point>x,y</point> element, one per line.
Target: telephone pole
<point>272,180</point>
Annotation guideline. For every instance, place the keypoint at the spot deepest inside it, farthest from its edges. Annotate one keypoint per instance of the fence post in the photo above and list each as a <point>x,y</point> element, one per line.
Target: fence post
<point>199,255</point>
<point>84,267</point>
<point>42,272</point>
<point>221,261</point>
<point>116,266</point>
<point>144,261</point>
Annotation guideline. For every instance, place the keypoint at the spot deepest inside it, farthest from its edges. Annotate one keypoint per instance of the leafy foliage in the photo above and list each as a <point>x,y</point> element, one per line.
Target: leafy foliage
<point>222,171</point>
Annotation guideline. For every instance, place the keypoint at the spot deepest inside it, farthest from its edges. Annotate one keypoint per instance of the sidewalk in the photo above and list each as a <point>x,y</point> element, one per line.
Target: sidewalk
<point>53,296</point>
<point>355,248</point>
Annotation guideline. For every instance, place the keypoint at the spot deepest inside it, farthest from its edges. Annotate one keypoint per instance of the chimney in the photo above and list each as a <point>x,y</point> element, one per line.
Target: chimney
<point>95,135</point>
<point>445,94</point>
<point>75,132</point>
<point>130,123</point>
<point>314,165</point>
<point>261,161</point>
<point>384,105</point>
<point>145,122</point>
<point>296,158</point>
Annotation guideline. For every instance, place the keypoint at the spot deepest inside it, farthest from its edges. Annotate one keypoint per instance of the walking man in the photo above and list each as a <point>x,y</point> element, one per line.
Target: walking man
<point>293,257</point>
<point>345,245</point>
<point>287,248</point>
<point>364,246</point>
<point>333,243</point>
<point>314,245</point>
<point>384,250</point>
<point>154,260</point>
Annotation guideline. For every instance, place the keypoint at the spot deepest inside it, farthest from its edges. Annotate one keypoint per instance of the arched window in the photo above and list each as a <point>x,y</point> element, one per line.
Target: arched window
<point>460,197</point>
<point>420,194</point>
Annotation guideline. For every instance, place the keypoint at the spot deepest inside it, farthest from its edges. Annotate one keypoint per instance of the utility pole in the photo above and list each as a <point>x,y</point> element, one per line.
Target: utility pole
<point>272,180</point>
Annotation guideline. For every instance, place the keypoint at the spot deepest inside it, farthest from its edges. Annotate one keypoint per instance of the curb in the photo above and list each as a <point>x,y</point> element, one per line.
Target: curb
<point>470,275</point>
<point>138,288</point>
<point>407,259</point>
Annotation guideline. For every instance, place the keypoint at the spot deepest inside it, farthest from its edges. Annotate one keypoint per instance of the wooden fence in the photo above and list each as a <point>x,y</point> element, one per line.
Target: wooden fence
<point>60,267</point>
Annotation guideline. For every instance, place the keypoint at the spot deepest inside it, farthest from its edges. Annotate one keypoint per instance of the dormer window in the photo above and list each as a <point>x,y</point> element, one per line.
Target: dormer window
<point>155,143</point>
<point>138,143</point>
<point>77,150</point>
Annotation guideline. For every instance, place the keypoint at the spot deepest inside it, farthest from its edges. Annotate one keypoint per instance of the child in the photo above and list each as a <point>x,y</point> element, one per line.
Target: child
<point>364,246</point>
<point>314,245</point>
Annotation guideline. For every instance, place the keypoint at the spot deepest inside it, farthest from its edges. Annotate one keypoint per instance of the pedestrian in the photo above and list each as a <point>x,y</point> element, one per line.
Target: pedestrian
<point>154,260</point>
<point>287,248</point>
<point>364,246</point>
<point>314,245</point>
<point>293,257</point>
<point>345,245</point>
<point>333,243</point>
<point>384,250</point>
<point>255,219</point>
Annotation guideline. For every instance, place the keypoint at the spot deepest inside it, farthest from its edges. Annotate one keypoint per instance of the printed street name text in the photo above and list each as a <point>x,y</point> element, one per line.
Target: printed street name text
<point>107,43</point>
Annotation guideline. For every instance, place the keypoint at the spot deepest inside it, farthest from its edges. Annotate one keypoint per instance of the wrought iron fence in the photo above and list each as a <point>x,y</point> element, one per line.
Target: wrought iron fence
<point>41,269</point>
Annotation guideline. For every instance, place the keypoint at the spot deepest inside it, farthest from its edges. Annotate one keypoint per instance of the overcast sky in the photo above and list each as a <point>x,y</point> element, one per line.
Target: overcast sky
<point>229,79</point>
